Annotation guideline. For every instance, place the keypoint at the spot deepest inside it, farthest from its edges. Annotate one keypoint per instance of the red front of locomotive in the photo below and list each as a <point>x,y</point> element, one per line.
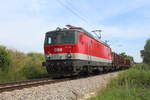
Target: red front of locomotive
<point>60,48</point>
<point>60,45</point>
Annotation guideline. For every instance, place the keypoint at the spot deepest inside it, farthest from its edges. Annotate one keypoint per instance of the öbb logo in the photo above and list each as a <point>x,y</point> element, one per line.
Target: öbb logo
<point>57,49</point>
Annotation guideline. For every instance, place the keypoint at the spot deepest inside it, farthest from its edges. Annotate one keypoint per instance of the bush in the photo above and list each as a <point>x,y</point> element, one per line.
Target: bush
<point>38,56</point>
<point>134,77</point>
<point>29,71</point>
<point>33,67</point>
<point>146,52</point>
<point>138,75</point>
<point>4,59</point>
<point>20,66</point>
<point>133,84</point>
<point>142,66</point>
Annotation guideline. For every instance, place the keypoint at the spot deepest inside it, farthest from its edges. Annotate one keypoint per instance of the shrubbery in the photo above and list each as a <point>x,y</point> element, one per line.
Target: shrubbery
<point>20,66</point>
<point>33,67</point>
<point>133,84</point>
<point>4,59</point>
<point>146,52</point>
<point>138,76</point>
<point>29,71</point>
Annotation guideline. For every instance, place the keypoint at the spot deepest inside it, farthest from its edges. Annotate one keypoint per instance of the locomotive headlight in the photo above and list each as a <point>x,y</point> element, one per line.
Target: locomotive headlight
<point>69,55</point>
<point>48,56</point>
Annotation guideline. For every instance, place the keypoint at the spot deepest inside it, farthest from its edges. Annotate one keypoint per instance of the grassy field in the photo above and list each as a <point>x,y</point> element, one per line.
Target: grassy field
<point>21,66</point>
<point>133,84</point>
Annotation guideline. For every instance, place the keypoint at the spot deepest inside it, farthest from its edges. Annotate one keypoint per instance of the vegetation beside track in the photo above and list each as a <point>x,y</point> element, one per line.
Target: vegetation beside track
<point>16,66</point>
<point>132,84</point>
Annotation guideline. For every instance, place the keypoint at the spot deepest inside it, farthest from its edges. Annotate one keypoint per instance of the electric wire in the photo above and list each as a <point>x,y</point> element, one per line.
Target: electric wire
<point>72,11</point>
<point>75,9</point>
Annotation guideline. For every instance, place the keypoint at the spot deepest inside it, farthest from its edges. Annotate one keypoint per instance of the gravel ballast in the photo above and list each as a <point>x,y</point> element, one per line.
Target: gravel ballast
<point>69,90</point>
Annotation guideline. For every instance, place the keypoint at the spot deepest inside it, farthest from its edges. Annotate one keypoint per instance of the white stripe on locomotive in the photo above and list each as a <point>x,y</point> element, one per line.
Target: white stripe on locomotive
<point>79,56</point>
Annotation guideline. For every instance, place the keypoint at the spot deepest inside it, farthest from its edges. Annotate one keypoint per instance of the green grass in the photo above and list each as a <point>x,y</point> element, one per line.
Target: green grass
<point>133,84</point>
<point>123,93</point>
<point>22,67</point>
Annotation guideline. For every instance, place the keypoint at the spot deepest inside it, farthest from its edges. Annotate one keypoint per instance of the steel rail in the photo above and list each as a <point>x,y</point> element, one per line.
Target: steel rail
<point>29,83</point>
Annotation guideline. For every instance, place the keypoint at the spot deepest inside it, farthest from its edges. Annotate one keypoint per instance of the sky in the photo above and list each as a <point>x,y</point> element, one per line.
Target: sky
<point>124,23</point>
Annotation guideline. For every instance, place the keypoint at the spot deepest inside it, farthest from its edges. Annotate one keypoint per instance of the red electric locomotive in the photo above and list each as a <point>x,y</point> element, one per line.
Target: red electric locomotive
<point>72,50</point>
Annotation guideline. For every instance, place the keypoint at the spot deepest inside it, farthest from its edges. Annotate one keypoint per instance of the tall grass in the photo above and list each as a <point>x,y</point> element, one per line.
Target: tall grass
<point>23,66</point>
<point>133,84</point>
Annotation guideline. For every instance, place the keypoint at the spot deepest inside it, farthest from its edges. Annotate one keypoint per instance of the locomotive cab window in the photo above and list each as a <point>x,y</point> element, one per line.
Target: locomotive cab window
<point>61,37</point>
<point>49,40</point>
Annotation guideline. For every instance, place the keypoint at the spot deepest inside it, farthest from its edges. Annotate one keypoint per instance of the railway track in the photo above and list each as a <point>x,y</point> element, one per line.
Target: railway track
<point>35,82</point>
<point>29,83</point>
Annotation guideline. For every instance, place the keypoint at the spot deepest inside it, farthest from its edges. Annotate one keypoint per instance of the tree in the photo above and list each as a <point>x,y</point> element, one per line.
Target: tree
<point>4,58</point>
<point>145,54</point>
<point>126,56</point>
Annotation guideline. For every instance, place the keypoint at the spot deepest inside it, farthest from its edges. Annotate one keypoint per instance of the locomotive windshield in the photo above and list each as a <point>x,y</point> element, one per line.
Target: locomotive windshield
<point>61,37</point>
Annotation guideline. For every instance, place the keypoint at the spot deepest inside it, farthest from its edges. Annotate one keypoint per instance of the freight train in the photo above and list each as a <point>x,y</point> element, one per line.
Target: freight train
<point>73,50</point>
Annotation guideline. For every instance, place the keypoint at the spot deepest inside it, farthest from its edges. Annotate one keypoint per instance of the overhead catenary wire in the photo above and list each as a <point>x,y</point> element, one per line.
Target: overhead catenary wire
<point>69,3</point>
<point>73,11</point>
